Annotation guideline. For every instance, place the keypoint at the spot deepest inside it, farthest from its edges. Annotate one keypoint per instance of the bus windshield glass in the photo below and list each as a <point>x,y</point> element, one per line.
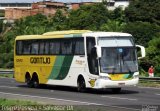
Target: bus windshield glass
<point>118,55</point>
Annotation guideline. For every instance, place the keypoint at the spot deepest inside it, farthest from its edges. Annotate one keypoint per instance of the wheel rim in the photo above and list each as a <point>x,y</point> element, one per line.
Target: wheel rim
<point>36,83</point>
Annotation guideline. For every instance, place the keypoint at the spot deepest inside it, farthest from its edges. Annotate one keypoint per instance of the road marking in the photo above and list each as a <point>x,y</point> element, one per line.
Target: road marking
<point>112,97</point>
<point>85,103</point>
<point>66,100</point>
<point>158,94</point>
<point>8,87</point>
<point>148,88</point>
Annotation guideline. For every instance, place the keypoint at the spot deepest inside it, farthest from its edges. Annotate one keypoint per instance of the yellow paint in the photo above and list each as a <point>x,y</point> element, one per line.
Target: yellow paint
<point>65,32</point>
<point>23,65</point>
<point>92,82</point>
<point>115,77</point>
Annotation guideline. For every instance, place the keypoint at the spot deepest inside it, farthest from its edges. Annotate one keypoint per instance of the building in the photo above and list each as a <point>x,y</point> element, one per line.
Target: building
<point>26,4</point>
<point>75,5</point>
<point>112,4</point>
<point>22,8</point>
<point>47,8</point>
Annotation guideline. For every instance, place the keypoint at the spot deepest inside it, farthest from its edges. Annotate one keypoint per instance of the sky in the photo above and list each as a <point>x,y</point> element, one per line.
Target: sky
<point>30,1</point>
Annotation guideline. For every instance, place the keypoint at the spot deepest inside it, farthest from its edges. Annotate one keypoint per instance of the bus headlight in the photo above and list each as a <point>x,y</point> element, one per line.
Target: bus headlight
<point>135,76</point>
<point>104,77</point>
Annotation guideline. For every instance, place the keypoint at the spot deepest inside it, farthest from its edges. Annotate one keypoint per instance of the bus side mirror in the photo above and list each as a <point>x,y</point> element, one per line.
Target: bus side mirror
<point>142,50</point>
<point>99,52</point>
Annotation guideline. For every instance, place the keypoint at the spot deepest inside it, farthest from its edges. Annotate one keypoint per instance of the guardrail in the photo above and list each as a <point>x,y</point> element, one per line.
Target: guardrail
<point>6,72</point>
<point>153,79</point>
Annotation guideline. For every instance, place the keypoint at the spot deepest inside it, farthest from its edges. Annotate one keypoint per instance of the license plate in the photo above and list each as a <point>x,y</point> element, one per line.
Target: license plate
<point>121,84</point>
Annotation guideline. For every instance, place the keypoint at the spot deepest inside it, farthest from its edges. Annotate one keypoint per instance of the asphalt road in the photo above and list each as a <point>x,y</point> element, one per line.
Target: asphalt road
<point>130,99</point>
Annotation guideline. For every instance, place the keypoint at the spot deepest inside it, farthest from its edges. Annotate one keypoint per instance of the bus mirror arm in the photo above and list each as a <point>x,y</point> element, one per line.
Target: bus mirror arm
<point>143,53</point>
<point>98,51</point>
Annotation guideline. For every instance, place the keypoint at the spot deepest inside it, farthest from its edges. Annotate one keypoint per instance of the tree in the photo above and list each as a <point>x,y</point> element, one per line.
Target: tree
<point>58,21</point>
<point>152,55</point>
<point>113,26</point>
<point>88,17</point>
<point>143,32</point>
<point>144,10</point>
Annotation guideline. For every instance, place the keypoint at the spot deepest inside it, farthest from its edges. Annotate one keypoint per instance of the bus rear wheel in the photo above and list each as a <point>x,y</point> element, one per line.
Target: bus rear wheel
<point>28,81</point>
<point>35,81</point>
<point>81,86</point>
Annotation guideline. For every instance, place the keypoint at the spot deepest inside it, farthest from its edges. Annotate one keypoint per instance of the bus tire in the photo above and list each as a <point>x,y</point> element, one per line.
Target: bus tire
<point>35,81</point>
<point>116,90</point>
<point>81,86</point>
<point>28,80</point>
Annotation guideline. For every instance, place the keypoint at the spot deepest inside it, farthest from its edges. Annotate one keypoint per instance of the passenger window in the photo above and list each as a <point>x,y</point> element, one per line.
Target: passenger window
<point>41,48</point>
<point>19,47</point>
<point>66,46</point>
<point>26,47</point>
<point>35,48</point>
<point>79,46</point>
<point>46,48</point>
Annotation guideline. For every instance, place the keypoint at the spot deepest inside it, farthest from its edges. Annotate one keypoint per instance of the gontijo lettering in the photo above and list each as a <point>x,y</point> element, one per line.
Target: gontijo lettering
<point>40,60</point>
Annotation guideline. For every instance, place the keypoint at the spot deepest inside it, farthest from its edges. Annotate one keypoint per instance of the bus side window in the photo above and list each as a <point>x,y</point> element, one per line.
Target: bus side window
<point>66,47</point>
<point>34,47</point>
<point>92,56</point>
<point>19,47</point>
<point>78,47</point>
<point>46,49</point>
<point>26,47</point>
<point>55,47</point>
<point>41,48</point>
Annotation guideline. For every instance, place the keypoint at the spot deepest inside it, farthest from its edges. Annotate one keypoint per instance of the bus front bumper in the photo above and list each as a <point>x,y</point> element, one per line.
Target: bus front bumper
<point>102,83</point>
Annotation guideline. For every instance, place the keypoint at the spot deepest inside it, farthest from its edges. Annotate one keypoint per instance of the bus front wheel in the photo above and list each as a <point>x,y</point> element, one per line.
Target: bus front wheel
<point>81,86</point>
<point>116,90</point>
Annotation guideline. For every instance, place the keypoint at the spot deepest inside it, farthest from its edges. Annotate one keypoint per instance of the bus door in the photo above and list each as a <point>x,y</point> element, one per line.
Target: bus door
<point>92,55</point>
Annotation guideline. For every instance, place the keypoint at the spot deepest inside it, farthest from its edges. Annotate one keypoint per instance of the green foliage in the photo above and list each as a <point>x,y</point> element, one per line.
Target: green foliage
<point>153,56</point>
<point>113,25</point>
<point>6,102</point>
<point>143,32</point>
<point>88,17</point>
<point>59,21</point>
<point>144,10</point>
<point>1,25</point>
<point>31,25</point>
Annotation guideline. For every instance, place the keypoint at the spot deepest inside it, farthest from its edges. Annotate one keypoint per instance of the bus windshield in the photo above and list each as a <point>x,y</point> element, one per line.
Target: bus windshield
<point>118,55</point>
<point>118,60</point>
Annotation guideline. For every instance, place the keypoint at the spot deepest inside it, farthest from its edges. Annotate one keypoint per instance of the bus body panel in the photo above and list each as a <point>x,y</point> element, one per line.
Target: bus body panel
<point>65,69</point>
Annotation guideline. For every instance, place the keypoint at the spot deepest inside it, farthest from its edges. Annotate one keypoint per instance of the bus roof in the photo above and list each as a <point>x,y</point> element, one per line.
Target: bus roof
<point>61,34</point>
<point>66,32</point>
<point>24,37</point>
<point>107,34</point>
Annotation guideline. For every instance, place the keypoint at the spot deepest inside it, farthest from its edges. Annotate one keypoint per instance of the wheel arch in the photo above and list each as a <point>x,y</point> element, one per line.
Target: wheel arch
<point>27,75</point>
<point>35,76</point>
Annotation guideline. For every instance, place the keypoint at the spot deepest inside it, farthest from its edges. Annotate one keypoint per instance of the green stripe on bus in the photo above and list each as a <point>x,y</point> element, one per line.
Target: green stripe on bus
<point>77,35</point>
<point>69,35</point>
<point>62,64</point>
<point>57,67</point>
<point>65,67</point>
<point>73,35</point>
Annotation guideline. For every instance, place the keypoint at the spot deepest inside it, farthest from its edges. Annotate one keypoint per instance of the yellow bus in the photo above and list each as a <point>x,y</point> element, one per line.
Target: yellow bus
<point>77,58</point>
